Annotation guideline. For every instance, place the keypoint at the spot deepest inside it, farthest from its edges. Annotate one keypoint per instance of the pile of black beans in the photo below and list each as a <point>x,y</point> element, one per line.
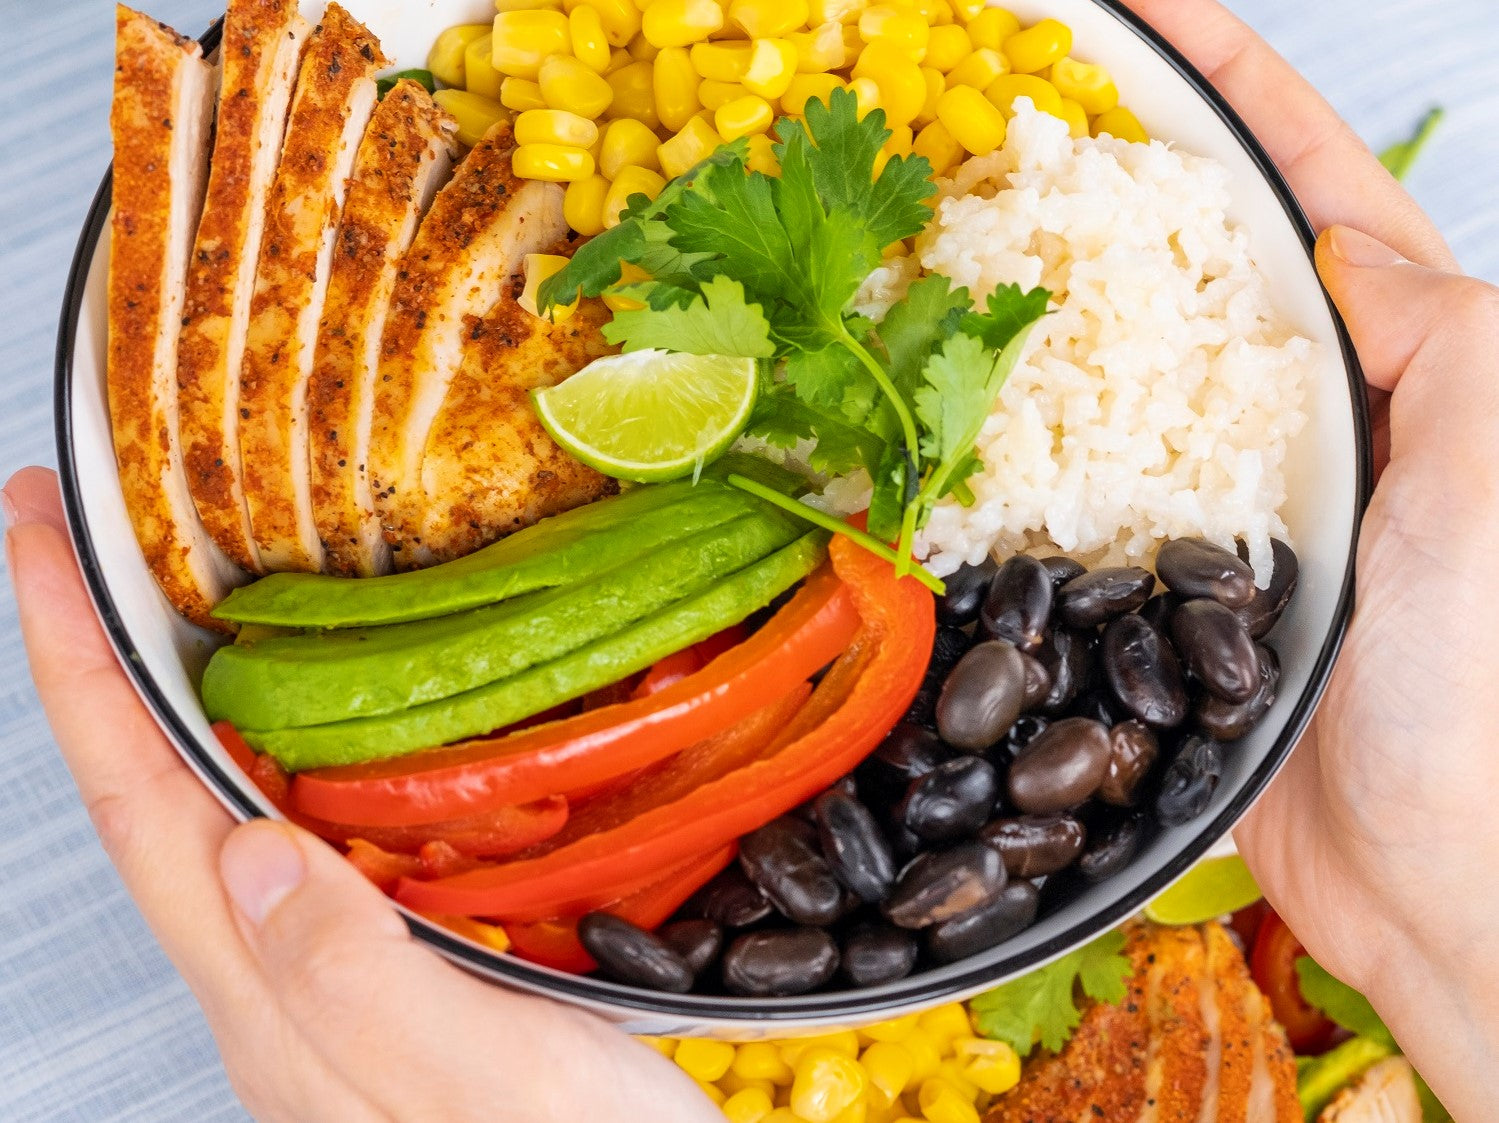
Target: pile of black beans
<point>1066,715</point>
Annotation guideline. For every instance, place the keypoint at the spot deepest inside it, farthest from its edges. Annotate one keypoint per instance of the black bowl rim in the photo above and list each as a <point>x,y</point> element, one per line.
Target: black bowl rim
<point>851,1006</point>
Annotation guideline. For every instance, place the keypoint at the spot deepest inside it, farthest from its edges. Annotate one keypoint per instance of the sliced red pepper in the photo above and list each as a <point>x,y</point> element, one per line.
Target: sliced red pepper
<point>580,752</point>
<point>381,866</point>
<point>491,936</point>
<point>893,646</point>
<point>683,663</point>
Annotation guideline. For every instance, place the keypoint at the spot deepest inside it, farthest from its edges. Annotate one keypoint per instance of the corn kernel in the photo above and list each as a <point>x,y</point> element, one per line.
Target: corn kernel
<point>712,1092</point>
<point>702,1059</point>
<point>889,1068</point>
<point>904,30</point>
<point>820,49</point>
<point>1002,92</point>
<point>633,93</point>
<point>979,69</point>
<point>893,1029</point>
<point>938,146</point>
<point>590,47</point>
<point>967,10</point>
<point>952,1072</point>
<point>567,84</point>
<point>446,58</point>
<point>1120,122</point>
<point>521,94</point>
<point>553,163</point>
<point>538,267</point>
<point>479,75</point>
<point>628,275</point>
<point>783,1115</point>
<point>713,96</point>
<point>867,95</point>
<point>972,119</point>
<point>522,40</point>
<point>627,142</point>
<point>721,62</point>
<point>731,1082</point>
<point>993,1066</point>
<point>772,65</point>
<point>749,1106</point>
<point>844,1041</point>
<point>945,1022</point>
<point>926,1053</point>
<point>694,143</point>
<point>583,208</point>
<point>760,1060</point>
<point>743,116</point>
<point>680,23</point>
<point>762,156</point>
<point>767,19</point>
<point>636,181</point>
<point>675,83</point>
<point>807,87</point>
<point>642,49</point>
<point>936,86</point>
<point>1076,118</point>
<point>941,1102</point>
<point>856,1112</point>
<point>827,1082</point>
<point>991,27</point>
<point>622,20</point>
<point>1090,86</point>
<point>947,46</point>
<point>555,126</point>
<point>940,13</point>
<point>475,114</point>
<point>1038,47</point>
<point>527,5</point>
<point>834,11</point>
<point>666,1046</point>
<point>902,89</point>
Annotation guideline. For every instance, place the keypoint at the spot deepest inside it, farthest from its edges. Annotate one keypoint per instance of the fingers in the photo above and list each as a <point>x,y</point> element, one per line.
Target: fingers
<point>1333,173</point>
<point>31,496</point>
<point>423,1039</point>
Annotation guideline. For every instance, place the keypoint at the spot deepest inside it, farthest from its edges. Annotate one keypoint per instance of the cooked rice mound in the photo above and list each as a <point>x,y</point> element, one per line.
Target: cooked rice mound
<point>1157,399</point>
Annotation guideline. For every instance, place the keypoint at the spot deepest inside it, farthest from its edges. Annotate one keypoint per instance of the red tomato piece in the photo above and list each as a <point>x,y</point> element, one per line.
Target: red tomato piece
<point>1273,965</point>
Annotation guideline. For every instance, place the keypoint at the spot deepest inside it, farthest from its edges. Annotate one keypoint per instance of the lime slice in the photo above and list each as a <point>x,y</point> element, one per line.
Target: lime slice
<point>1208,890</point>
<point>650,415</point>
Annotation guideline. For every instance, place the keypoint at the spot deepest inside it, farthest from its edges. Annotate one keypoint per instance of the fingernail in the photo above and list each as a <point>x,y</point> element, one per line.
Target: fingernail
<point>1358,249</point>
<point>261,865</point>
<point>8,505</point>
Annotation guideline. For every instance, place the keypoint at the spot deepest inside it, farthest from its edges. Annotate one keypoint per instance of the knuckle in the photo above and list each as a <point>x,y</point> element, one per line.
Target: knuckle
<point>114,823</point>
<point>1475,305</point>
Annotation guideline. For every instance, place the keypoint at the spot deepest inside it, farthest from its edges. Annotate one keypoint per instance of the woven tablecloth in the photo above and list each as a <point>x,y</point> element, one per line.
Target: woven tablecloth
<point>94,1023</point>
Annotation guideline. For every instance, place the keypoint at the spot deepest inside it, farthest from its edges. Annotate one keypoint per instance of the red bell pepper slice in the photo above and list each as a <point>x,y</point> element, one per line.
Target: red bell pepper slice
<point>893,646</point>
<point>580,752</point>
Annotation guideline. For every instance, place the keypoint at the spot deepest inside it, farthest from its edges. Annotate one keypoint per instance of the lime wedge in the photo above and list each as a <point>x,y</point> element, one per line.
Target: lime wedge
<point>650,415</point>
<point>1208,890</point>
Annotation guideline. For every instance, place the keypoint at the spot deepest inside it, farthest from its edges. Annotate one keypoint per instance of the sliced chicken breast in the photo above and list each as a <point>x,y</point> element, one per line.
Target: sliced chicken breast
<point>1386,1093</point>
<point>406,155</point>
<point>163,110</point>
<point>472,242</point>
<point>490,468</point>
<point>330,111</point>
<point>261,45</point>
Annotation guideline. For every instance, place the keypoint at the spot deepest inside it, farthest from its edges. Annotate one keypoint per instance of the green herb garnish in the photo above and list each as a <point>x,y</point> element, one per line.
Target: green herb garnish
<point>1400,158</point>
<point>1039,1008</point>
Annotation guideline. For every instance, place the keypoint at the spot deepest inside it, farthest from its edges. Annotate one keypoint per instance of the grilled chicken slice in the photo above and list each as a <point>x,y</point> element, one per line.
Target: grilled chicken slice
<point>472,242</point>
<point>163,109</point>
<point>330,111</point>
<point>490,468</point>
<point>1386,1093</point>
<point>261,45</point>
<point>1192,1042</point>
<point>406,155</point>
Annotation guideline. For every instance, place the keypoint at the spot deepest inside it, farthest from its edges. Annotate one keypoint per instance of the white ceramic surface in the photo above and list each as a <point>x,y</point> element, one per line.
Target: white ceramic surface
<point>165,655</point>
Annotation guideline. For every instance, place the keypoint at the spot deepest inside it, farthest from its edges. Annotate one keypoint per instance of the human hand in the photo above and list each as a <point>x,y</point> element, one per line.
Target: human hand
<point>323,1005</point>
<point>1377,840</point>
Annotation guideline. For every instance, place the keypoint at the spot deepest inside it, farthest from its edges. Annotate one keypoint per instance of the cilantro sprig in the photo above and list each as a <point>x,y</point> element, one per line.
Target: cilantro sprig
<point>742,263</point>
<point>1040,1008</point>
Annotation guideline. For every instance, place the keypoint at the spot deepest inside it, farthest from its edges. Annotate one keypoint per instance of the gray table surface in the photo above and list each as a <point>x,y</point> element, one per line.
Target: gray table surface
<point>94,1023</point>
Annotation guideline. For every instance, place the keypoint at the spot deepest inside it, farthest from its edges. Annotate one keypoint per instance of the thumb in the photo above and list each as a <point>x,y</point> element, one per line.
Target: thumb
<point>419,1037</point>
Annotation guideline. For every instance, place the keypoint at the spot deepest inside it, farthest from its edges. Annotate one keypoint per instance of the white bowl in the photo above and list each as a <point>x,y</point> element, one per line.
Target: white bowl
<point>1328,477</point>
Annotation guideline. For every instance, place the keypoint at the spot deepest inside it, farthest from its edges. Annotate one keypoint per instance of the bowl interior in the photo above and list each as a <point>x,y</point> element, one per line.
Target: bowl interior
<point>1327,477</point>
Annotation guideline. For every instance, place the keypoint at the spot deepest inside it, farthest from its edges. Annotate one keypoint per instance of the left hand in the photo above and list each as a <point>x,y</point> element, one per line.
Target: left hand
<point>323,1005</point>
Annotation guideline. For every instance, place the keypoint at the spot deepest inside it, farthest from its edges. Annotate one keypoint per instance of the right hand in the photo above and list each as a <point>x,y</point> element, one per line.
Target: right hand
<point>1377,841</point>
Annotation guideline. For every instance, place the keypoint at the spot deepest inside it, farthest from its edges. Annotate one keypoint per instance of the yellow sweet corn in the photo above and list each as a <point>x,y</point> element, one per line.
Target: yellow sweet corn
<point>835,11</point>
<point>527,5</point>
<point>590,45</point>
<point>867,94</point>
<point>479,75</point>
<point>942,1102</point>
<point>760,1060</point>
<point>446,58</point>
<point>521,94</point>
<point>627,142</point>
<point>993,1066</point>
<point>926,1055</point>
<point>947,46</point>
<point>642,49</point>
<point>567,84</point>
<point>938,146</point>
<point>721,62</point>
<point>889,1069</point>
<point>902,89</point>
<point>666,1046</point>
<point>895,1029</point>
<point>628,275</point>
<point>936,86</point>
<point>555,126</point>
<point>772,65</point>
<point>827,1083</point>
<point>767,19</point>
<point>1120,122</point>
<point>979,69</point>
<point>475,114</point>
<point>674,82</point>
<point>991,27</point>
<point>621,19</point>
<point>583,207</point>
<point>1003,91</point>
<point>552,163</point>
<point>946,1022</point>
<point>680,23</point>
<point>748,1106</point>
<point>972,119</point>
<point>806,87</point>
<point>633,93</point>
<point>966,10</point>
<point>636,181</point>
<point>619,57</point>
<point>820,49</point>
<point>762,156</point>
<point>902,29</point>
<point>702,1059</point>
<point>1038,46</point>
<point>1088,85</point>
<point>712,1092</point>
<point>713,96</point>
<point>522,40</point>
<point>743,116</point>
<point>537,268</point>
<point>1076,118</point>
<point>694,142</point>
<point>844,1041</point>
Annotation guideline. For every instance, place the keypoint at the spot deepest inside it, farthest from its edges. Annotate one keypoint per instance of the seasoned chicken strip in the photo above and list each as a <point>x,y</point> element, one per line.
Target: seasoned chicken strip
<point>1386,1093</point>
<point>406,155</point>
<point>329,114</point>
<point>472,242</point>
<point>262,42</point>
<point>163,106</point>
<point>490,468</point>
<point>1176,1077</point>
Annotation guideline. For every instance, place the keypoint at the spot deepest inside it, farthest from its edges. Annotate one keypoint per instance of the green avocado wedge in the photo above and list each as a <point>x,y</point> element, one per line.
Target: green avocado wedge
<point>314,678</point>
<point>479,711</point>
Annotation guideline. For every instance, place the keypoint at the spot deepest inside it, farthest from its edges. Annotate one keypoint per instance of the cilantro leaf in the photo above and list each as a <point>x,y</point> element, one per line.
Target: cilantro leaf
<point>719,322</point>
<point>1400,158</point>
<point>1009,312</point>
<point>1340,1002</point>
<point>1039,1007</point>
<point>915,325</point>
<point>734,219</point>
<point>782,419</point>
<point>955,399</point>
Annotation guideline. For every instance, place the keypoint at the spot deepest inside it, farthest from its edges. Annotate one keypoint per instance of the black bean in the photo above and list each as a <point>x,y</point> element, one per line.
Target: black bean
<point>1190,781</point>
<point>784,859</point>
<point>1262,612</point>
<point>1111,846</point>
<point>730,899</point>
<point>1037,682</point>
<point>1061,768</point>
<point>878,953</point>
<point>1144,672</point>
<point>1018,607</point>
<point>1217,649</point>
<point>950,802</point>
<point>1225,721</point>
<point>1133,750</point>
<point>632,955</point>
<point>982,697</point>
<point>906,752</point>
<point>1068,659</point>
<point>940,884</point>
<point>1195,567</point>
<point>982,928</point>
<point>1100,595</point>
<point>696,941</point>
<point>903,844</point>
<point>1026,729</point>
<point>965,593</point>
<point>1036,845</point>
<point>1158,610</point>
<point>779,962</point>
<point>1101,706</point>
<point>1062,570</point>
<point>923,708</point>
<point>948,646</point>
<point>853,845</point>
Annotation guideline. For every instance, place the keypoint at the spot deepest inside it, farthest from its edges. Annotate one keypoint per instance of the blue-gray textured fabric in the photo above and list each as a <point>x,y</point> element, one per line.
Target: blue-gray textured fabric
<point>94,1023</point>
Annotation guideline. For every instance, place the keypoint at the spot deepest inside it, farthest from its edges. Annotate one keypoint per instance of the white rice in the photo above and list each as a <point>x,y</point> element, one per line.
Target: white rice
<point>1156,400</point>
